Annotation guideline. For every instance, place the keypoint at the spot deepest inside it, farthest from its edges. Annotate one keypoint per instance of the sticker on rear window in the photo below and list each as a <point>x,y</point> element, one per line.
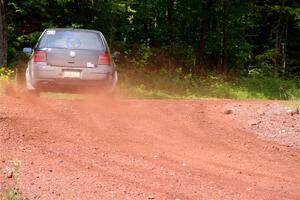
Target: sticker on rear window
<point>51,32</point>
<point>89,64</point>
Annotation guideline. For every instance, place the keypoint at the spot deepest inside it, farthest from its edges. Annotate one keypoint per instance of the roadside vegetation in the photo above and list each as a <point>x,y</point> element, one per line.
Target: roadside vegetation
<point>176,84</point>
<point>10,195</point>
<point>143,82</point>
<point>5,76</point>
<point>175,49</point>
<point>294,104</point>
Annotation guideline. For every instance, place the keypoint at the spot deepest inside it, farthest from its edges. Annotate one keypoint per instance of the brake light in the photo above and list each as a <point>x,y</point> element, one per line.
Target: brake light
<point>39,56</point>
<point>104,59</point>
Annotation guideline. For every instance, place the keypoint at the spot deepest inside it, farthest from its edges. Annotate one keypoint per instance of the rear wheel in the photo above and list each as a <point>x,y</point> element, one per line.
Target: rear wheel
<point>31,90</point>
<point>114,82</point>
<point>112,86</point>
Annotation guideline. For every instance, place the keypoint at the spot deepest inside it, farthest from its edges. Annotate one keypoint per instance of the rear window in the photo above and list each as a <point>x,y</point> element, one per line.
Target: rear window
<point>71,40</point>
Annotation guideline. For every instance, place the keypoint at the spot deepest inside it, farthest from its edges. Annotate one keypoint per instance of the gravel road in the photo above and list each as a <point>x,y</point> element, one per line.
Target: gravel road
<point>149,149</point>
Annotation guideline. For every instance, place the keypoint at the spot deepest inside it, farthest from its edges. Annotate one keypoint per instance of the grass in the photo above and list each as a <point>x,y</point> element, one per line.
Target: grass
<point>293,104</point>
<point>61,96</point>
<point>163,84</point>
<point>10,195</point>
<point>176,85</point>
<point>13,194</point>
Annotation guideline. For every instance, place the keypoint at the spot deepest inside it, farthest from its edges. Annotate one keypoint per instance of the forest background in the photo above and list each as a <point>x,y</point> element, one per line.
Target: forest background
<point>176,48</point>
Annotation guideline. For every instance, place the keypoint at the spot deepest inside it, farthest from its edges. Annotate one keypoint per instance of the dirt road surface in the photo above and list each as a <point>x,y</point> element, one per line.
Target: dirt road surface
<point>141,149</point>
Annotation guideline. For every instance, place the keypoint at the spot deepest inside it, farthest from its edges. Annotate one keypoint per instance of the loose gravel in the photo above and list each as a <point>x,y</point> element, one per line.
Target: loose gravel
<point>274,121</point>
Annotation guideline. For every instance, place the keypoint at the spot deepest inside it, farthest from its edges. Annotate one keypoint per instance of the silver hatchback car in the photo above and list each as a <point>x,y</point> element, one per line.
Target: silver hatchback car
<point>66,59</point>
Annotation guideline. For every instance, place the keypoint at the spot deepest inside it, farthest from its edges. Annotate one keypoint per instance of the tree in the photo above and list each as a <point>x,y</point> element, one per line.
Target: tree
<point>207,35</point>
<point>3,36</point>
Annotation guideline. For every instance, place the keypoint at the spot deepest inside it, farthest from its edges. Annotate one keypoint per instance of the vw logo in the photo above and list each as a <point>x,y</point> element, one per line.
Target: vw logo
<point>72,54</point>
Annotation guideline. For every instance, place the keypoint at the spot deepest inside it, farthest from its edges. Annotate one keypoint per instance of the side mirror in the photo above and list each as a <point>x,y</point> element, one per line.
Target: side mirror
<point>116,55</point>
<point>27,50</point>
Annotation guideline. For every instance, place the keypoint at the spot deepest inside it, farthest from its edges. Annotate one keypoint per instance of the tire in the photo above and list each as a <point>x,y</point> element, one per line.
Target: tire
<point>112,91</point>
<point>29,85</point>
<point>114,82</point>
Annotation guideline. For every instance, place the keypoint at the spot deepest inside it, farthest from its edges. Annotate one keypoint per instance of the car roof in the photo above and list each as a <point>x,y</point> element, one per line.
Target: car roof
<point>73,29</point>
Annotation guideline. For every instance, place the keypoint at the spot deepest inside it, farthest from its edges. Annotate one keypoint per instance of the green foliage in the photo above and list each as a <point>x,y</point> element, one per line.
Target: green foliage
<point>247,36</point>
<point>293,11</point>
<point>261,70</point>
<point>269,87</point>
<point>30,38</point>
<point>10,195</point>
<point>179,85</point>
<point>268,55</point>
<point>294,103</point>
<point>16,164</point>
<point>5,73</point>
<point>264,65</point>
<point>142,55</point>
<point>184,53</point>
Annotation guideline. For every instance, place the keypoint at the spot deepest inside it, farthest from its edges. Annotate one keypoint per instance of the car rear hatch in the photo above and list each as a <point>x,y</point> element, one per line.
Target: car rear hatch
<point>72,48</point>
<point>73,58</point>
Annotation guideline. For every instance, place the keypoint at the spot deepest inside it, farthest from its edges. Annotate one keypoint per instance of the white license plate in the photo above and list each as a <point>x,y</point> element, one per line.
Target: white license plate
<point>71,74</point>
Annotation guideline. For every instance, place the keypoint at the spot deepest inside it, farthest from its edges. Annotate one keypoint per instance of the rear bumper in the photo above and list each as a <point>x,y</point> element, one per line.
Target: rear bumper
<point>41,71</point>
<point>48,78</point>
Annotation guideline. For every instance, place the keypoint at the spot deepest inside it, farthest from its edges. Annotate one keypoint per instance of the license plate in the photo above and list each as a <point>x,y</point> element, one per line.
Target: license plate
<point>71,74</point>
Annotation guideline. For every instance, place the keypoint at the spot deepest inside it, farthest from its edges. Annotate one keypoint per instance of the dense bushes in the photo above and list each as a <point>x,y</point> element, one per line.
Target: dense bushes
<point>188,48</point>
<point>177,84</point>
<point>204,36</point>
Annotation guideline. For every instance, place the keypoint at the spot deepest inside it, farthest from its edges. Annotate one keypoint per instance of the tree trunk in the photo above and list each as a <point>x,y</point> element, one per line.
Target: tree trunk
<point>279,35</point>
<point>225,38</point>
<point>3,36</point>
<point>169,16</point>
<point>203,29</point>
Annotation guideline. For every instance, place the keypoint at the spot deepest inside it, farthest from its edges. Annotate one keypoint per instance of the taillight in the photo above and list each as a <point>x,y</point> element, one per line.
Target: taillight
<point>39,56</point>
<point>104,59</point>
